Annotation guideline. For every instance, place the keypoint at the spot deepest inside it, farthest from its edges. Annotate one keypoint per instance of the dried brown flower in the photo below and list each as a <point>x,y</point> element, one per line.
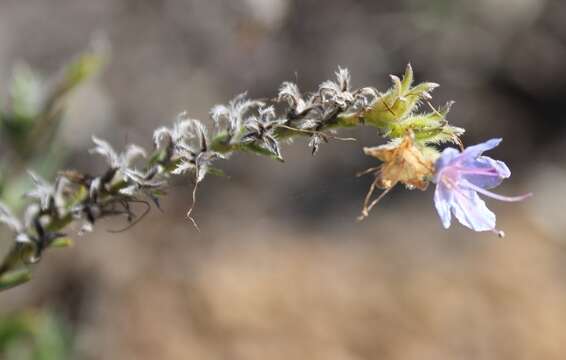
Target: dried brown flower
<point>403,162</point>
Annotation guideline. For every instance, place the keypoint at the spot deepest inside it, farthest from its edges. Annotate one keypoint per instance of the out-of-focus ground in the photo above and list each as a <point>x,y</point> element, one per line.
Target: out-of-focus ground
<point>281,270</point>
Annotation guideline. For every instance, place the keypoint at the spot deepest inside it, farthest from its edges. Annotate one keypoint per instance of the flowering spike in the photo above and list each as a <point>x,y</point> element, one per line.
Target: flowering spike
<point>251,125</point>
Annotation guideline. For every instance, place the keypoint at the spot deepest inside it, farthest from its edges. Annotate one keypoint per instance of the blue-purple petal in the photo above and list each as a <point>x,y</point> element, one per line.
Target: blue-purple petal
<point>447,156</point>
<point>472,212</point>
<point>442,202</point>
<point>486,172</point>
<point>474,151</point>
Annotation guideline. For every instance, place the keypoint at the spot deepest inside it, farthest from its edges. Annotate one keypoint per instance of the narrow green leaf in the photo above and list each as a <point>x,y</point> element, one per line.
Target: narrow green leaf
<point>62,242</point>
<point>14,278</point>
<point>407,79</point>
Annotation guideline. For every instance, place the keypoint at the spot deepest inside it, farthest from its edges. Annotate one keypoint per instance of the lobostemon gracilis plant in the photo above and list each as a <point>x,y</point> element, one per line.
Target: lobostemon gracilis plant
<point>415,131</point>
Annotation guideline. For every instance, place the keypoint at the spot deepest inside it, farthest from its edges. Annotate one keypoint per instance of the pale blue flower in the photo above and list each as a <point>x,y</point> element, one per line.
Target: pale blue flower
<point>460,176</point>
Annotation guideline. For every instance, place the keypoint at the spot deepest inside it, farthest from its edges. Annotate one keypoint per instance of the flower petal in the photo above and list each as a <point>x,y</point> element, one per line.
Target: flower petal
<point>486,172</point>
<point>442,201</point>
<point>446,157</point>
<point>472,152</point>
<point>471,211</point>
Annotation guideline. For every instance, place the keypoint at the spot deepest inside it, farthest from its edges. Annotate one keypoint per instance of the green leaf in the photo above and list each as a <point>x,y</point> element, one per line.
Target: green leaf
<point>51,338</point>
<point>62,242</point>
<point>216,171</point>
<point>82,69</point>
<point>26,94</point>
<point>14,278</point>
<point>75,73</point>
<point>34,335</point>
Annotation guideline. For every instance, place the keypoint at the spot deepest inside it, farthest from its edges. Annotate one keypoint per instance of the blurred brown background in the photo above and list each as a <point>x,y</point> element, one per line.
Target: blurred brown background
<point>281,270</point>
